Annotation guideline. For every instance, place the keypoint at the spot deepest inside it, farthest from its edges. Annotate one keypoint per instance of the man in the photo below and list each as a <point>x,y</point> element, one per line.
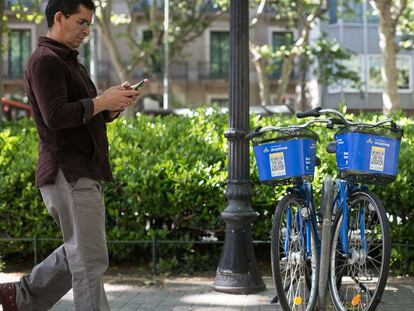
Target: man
<point>73,160</point>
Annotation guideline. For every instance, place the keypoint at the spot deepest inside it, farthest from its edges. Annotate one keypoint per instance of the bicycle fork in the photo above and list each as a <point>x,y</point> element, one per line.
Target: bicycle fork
<point>342,201</point>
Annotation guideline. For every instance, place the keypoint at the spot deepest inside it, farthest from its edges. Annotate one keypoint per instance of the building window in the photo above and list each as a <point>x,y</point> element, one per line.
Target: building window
<point>220,102</point>
<point>403,63</point>
<point>375,79</point>
<point>333,17</point>
<point>155,61</point>
<point>219,54</point>
<point>404,73</point>
<point>352,11</point>
<point>372,14</point>
<point>279,39</point>
<point>355,64</point>
<point>19,49</point>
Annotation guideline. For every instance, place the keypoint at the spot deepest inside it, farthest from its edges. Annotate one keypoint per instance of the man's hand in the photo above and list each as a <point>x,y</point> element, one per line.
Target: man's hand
<point>115,99</point>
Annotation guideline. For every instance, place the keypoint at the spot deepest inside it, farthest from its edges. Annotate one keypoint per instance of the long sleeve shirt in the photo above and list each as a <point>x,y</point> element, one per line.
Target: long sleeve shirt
<point>71,138</point>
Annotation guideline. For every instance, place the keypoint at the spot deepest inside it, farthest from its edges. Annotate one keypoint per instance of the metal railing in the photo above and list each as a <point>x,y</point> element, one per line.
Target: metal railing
<point>9,74</point>
<point>213,70</point>
<point>405,247</point>
<point>275,75</point>
<point>178,71</point>
<point>144,5</point>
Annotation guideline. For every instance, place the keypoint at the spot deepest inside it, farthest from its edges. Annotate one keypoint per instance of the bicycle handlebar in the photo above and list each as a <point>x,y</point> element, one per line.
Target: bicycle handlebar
<point>337,119</point>
<point>260,130</point>
<point>340,119</point>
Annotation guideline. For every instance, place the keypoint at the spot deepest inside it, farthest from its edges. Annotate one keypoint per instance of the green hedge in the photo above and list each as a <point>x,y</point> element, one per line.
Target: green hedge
<point>170,177</point>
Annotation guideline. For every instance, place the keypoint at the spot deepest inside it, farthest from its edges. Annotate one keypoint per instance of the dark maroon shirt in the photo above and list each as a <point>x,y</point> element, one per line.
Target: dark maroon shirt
<point>61,91</point>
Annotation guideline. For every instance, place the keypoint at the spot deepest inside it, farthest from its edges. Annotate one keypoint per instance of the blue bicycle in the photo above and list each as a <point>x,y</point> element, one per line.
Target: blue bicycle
<point>287,155</point>
<point>360,244</point>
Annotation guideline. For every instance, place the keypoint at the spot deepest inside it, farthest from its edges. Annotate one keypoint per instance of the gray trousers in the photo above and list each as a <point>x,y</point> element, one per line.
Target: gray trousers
<point>81,261</point>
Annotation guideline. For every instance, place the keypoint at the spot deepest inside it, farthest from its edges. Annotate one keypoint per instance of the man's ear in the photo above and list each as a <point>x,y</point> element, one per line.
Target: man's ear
<point>59,17</point>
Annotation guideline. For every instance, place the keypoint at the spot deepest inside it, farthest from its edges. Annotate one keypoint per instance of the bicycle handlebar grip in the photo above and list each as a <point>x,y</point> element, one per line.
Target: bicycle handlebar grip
<point>254,133</point>
<point>310,113</point>
<point>337,121</point>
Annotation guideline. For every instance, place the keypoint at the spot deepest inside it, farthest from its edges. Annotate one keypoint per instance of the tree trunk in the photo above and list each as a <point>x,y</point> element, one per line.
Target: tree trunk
<point>260,64</point>
<point>305,24</point>
<point>390,97</point>
<point>283,82</point>
<point>390,12</point>
<point>300,101</point>
<point>303,84</point>
<point>113,52</point>
<point>122,73</point>
<point>323,95</point>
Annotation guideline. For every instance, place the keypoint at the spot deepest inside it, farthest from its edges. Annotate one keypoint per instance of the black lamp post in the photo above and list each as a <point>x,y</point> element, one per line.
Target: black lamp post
<point>237,272</point>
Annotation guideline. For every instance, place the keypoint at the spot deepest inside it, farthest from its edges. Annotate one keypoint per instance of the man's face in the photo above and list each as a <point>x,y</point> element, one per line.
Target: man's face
<point>74,28</point>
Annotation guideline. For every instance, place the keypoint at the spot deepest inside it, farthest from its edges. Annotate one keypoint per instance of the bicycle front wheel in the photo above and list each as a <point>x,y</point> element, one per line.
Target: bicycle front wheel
<point>294,265</point>
<point>359,273</point>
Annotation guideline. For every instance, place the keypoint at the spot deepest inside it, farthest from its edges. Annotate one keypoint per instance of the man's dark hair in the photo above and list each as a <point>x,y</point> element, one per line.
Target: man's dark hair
<point>67,7</point>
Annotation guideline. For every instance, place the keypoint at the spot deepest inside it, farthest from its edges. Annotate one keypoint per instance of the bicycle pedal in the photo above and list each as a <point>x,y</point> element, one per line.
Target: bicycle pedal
<point>275,299</point>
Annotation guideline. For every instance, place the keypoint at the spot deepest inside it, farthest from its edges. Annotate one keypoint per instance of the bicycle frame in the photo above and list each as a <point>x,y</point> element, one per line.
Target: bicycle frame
<point>306,222</point>
<point>341,202</point>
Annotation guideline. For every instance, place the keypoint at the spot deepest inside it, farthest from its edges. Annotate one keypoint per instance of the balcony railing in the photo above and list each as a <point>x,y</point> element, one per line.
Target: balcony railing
<point>213,70</point>
<point>275,75</point>
<point>178,71</point>
<point>143,5</point>
<point>7,74</point>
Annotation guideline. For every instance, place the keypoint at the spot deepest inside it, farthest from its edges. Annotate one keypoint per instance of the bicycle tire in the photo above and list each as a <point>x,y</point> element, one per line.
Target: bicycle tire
<point>352,283</point>
<point>326,208</point>
<point>288,294</point>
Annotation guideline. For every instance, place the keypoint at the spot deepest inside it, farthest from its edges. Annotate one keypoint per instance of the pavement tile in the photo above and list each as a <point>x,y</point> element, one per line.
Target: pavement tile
<point>196,294</point>
<point>182,308</point>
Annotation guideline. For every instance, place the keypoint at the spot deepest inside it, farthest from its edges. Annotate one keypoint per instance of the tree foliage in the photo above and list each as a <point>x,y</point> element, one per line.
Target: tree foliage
<point>405,27</point>
<point>28,10</point>
<point>330,65</point>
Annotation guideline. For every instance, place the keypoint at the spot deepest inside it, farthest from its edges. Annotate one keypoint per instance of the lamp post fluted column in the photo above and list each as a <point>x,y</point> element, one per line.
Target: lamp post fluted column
<point>237,272</point>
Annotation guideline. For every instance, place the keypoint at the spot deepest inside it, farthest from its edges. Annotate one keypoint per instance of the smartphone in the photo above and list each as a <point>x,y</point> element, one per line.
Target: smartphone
<point>138,85</point>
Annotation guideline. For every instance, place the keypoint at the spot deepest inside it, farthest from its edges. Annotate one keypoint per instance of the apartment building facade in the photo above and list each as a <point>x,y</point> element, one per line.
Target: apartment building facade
<point>199,76</point>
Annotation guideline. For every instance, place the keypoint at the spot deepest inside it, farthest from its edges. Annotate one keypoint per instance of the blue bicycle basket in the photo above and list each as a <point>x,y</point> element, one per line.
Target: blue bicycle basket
<point>282,159</point>
<point>368,155</point>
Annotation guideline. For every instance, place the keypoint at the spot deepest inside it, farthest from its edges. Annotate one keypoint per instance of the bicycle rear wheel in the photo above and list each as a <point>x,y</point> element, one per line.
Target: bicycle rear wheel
<point>295,273</point>
<point>357,280</point>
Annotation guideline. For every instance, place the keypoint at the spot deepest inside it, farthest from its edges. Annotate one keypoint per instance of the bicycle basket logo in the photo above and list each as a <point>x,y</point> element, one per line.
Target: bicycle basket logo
<point>277,164</point>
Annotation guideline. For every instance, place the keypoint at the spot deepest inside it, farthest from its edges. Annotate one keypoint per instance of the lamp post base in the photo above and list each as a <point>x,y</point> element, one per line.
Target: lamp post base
<point>238,272</point>
<point>242,284</point>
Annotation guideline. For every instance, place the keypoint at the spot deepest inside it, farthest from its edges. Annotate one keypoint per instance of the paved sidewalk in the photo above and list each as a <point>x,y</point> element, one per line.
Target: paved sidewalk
<point>128,293</point>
